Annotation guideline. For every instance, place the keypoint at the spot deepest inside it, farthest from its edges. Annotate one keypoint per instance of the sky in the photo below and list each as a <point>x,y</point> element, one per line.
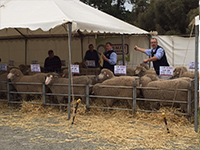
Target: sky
<point>128,6</point>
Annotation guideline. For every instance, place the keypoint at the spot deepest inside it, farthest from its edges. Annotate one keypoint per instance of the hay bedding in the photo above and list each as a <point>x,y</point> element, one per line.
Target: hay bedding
<point>145,130</point>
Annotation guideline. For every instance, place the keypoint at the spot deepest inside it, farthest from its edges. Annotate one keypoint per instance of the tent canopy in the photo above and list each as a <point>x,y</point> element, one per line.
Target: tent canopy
<point>33,17</point>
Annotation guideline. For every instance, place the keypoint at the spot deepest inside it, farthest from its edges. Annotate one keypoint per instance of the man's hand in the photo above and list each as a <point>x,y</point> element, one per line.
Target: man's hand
<point>105,58</point>
<point>145,60</point>
<point>136,47</point>
<point>139,49</point>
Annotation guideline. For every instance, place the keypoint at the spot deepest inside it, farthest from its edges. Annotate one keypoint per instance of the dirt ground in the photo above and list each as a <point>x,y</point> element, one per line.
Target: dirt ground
<point>35,127</point>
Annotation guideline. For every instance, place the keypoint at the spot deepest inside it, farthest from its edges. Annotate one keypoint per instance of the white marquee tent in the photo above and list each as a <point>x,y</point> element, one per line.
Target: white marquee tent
<point>52,18</point>
<point>48,14</point>
<point>35,19</point>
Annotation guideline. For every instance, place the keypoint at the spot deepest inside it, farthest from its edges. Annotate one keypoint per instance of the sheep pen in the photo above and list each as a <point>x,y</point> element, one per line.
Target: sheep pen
<point>96,129</point>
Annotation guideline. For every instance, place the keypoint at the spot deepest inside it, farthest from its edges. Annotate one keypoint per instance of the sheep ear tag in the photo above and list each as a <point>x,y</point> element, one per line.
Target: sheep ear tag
<point>17,75</point>
<point>107,75</point>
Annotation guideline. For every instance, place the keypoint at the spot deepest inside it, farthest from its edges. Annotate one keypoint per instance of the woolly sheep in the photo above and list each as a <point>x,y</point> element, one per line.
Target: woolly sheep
<point>165,94</point>
<point>130,71</point>
<point>16,75</point>
<point>178,71</point>
<point>105,74</point>
<point>145,66</point>
<point>118,92</point>
<point>141,71</point>
<point>189,74</point>
<point>53,79</point>
<point>144,80</point>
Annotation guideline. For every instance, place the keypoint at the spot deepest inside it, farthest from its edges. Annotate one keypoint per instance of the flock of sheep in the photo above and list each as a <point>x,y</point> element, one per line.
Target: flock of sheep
<point>149,86</point>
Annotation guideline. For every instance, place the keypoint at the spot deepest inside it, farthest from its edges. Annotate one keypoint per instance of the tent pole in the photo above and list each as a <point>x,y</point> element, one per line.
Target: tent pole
<point>196,76</point>
<point>69,68</point>
<point>123,49</point>
<point>150,47</point>
<point>26,41</point>
<point>82,48</point>
<point>172,51</point>
<point>81,36</point>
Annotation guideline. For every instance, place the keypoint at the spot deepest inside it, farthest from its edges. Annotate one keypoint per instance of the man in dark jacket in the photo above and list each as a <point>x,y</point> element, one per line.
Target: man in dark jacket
<point>92,57</point>
<point>52,63</point>
<point>109,57</point>
<point>157,53</point>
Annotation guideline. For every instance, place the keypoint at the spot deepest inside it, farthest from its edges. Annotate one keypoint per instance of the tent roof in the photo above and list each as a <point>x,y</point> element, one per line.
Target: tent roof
<point>33,17</point>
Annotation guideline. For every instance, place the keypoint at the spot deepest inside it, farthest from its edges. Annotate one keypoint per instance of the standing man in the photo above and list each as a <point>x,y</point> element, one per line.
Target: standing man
<point>109,57</point>
<point>52,63</point>
<point>92,56</point>
<point>157,53</point>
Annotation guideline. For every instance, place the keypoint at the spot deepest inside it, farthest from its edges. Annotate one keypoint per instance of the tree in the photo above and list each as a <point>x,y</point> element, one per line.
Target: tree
<point>167,16</point>
<point>113,7</point>
<point>164,16</point>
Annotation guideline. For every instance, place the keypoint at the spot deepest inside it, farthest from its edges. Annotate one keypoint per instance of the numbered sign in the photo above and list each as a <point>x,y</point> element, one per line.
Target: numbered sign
<point>75,69</point>
<point>3,67</point>
<point>90,63</point>
<point>34,62</point>
<point>119,70</point>
<point>35,68</point>
<point>63,63</point>
<point>11,62</point>
<point>192,65</point>
<point>166,71</point>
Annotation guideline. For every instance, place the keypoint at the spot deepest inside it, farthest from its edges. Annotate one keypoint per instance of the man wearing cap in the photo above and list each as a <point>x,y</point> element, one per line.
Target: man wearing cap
<point>52,63</point>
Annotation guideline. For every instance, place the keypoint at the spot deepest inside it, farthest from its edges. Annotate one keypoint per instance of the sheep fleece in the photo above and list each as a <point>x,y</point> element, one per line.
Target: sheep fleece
<point>120,92</point>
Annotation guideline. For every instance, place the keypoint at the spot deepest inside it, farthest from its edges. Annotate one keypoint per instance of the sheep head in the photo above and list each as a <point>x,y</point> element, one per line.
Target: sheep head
<point>50,78</point>
<point>14,73</point>
<point>105,74</point>
<point>140,71</point>
<point>178,71</point>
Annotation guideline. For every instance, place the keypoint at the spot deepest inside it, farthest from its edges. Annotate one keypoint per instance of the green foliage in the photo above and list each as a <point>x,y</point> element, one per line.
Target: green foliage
<point>164,16</point>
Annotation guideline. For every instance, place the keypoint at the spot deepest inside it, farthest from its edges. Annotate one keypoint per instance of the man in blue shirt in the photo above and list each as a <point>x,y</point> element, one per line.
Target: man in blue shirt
<point>109,57</point>
<point>157,53</point>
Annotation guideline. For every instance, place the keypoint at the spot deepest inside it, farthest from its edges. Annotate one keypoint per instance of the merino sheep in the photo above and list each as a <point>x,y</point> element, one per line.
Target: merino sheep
<point>116,91</point>
<point>189,74</point>
<point>141,71</point>
<point>144,80</point>
<point>16,75</point>
<point>53,79</point>
<point>145,66</point>
<point>178,71</point>
<point>105,74</point>
<point>130,71</point>
<point>164,94</point>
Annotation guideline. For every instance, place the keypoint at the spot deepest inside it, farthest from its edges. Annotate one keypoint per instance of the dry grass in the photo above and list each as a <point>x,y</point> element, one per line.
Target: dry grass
<point>145,130</point>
